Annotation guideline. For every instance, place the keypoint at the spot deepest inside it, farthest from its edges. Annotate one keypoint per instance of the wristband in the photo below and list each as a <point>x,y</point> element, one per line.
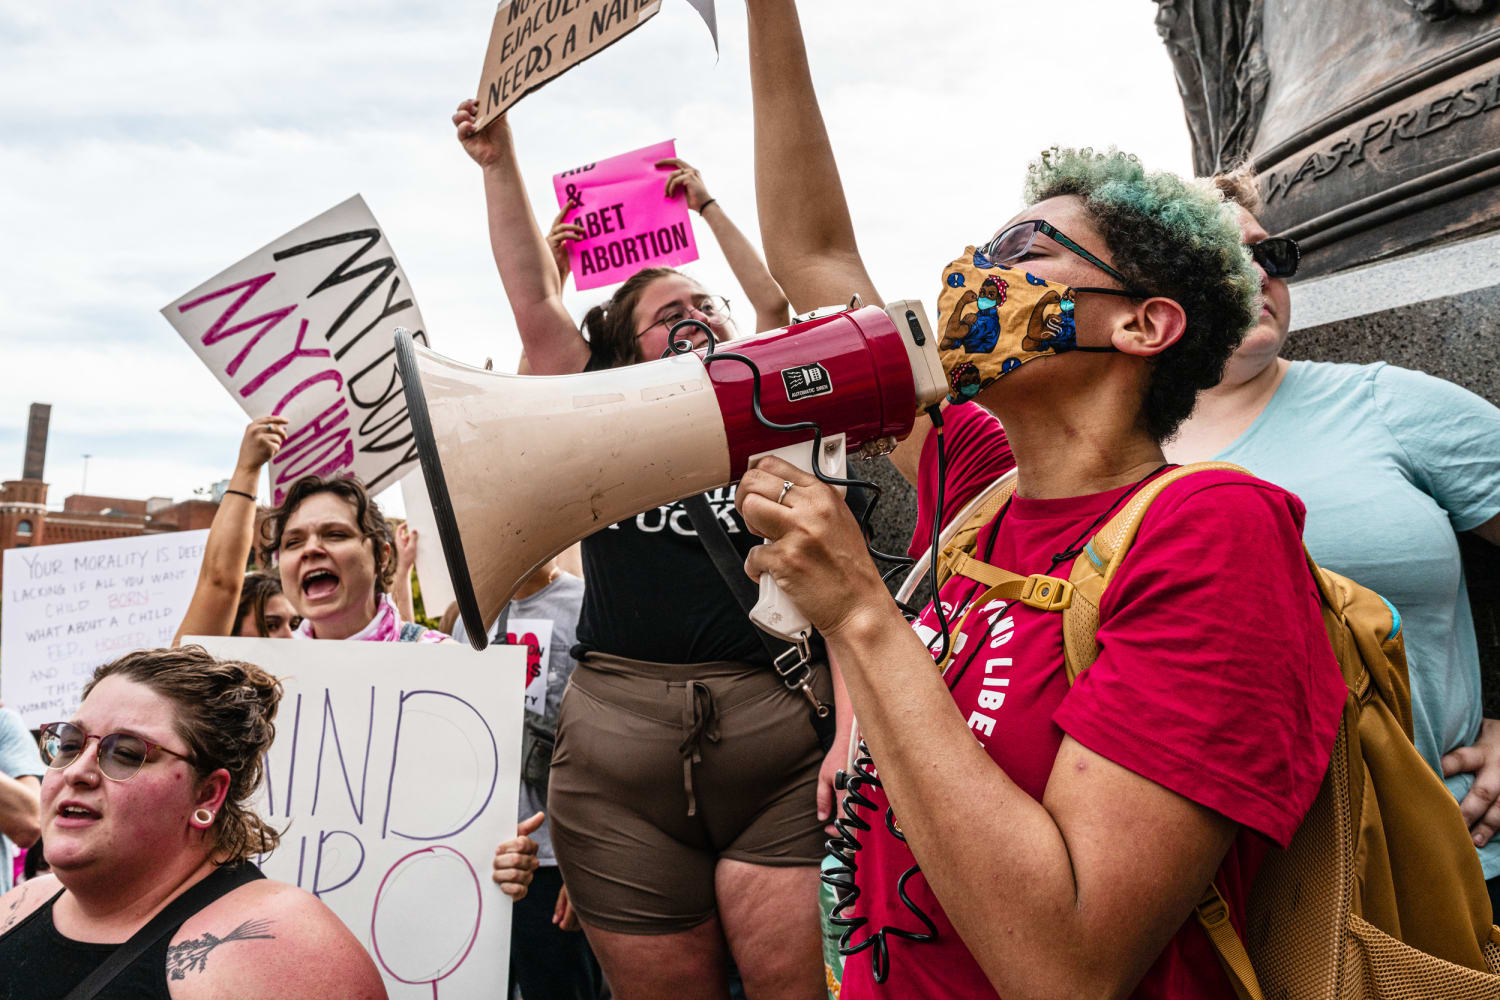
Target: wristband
<point>705,205</point>
<point>242,493</point>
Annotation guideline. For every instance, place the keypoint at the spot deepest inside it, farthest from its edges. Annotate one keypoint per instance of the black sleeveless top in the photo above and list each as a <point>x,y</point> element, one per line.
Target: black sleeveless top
<point>38,963</point>
<point>654,594</point>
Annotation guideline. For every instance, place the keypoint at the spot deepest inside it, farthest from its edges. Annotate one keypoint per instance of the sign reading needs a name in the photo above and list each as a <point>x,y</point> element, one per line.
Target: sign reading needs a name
<point>533,41</point>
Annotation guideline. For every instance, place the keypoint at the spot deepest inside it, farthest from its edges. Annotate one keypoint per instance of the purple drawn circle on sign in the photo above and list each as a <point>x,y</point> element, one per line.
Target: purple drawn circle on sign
<point>429,852</point>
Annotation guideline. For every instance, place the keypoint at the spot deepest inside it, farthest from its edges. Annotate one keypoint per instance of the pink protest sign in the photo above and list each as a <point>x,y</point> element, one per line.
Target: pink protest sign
<point>630,221</point>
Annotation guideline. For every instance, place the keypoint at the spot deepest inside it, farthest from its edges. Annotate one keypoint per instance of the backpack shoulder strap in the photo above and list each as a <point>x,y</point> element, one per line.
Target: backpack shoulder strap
<point>956,558</point>
<point>1213,913</point>
<point>1101,558</point>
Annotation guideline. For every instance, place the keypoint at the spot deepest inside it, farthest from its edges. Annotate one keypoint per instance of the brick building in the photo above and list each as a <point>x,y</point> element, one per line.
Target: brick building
<point>25,519</point>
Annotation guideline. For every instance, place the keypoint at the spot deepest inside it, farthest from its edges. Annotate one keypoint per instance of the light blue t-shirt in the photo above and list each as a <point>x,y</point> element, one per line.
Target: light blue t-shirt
<point>19,757</point>
<point>1391,463</point>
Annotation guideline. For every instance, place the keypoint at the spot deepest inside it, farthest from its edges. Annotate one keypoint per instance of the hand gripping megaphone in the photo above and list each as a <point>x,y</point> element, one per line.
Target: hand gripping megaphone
<point>519,467</point>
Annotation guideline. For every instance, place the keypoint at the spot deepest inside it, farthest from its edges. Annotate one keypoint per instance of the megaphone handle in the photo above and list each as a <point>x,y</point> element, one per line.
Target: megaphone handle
<point>775,612</point>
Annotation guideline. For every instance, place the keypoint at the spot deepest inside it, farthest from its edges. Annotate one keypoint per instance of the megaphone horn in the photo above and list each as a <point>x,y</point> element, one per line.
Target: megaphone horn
<point>519,467</point>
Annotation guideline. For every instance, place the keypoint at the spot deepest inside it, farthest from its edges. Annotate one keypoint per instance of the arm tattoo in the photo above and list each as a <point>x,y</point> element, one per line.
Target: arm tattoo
<point>192,956</point>
<point>10,911</point>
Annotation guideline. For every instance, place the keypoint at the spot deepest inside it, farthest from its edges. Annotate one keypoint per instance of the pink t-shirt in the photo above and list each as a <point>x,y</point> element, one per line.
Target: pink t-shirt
<point>1216,683</point>
<point>976,455</point>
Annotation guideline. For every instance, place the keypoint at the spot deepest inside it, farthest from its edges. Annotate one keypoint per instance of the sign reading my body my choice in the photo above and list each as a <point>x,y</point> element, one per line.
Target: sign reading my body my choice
<point>70,608</point>
<point>629,221</point>
<point>302,329</point>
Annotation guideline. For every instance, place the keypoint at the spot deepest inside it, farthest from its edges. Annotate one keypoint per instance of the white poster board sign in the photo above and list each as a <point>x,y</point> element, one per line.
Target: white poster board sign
<point>302,328</point>
<point>68,608</point>
<point>394,776</point>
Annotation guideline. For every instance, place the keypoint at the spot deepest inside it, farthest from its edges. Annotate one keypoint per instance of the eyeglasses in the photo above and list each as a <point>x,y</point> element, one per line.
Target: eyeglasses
<point>1014,243</point>
<point>710,307</point>
<point>121,755</point>
<point>1279,256</point>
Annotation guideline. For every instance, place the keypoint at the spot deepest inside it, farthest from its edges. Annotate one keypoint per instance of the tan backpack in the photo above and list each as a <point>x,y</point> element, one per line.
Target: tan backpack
<point>1380,894</point>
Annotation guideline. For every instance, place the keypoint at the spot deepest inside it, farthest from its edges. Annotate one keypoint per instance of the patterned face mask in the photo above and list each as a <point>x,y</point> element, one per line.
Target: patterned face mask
<point>992,319</point>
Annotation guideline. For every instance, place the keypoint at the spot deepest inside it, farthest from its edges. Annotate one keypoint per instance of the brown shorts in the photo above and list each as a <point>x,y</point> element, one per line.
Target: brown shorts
<point>662,769</point>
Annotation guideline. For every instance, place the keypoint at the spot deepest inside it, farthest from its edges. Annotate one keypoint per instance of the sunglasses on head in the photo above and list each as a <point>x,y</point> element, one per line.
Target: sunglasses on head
<point>1278,255</point>
<point>121,755</point>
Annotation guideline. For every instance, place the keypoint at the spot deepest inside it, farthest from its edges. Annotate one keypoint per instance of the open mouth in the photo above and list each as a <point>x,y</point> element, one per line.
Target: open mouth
<point>73,811</point>
<point>319,583</point>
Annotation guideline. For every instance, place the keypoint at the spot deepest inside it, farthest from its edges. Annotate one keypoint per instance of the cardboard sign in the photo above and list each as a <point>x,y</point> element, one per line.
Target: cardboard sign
<point>71,607</point>
<point>630,221</point>
<point>302,328</point>
<point>394,776</point>
<point>533,41</point>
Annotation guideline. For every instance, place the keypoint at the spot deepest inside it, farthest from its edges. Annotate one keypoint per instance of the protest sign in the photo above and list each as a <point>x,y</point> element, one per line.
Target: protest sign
<point>533,41</point>
<point>302,328</point>
<point>394,775</point>
<point>432,565</point>
<point>629,220</point>
<point>69,608</point>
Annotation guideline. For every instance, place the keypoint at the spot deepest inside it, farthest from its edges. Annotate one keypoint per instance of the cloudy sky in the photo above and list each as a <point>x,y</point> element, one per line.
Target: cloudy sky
<point>146,146</point>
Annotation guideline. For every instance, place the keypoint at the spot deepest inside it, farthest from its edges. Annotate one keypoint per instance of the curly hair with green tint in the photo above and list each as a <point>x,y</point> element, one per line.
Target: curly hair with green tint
<point>1174,238</point>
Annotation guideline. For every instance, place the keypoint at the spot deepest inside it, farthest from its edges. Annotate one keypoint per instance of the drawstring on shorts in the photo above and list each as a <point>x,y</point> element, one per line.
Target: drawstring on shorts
<point>700,720</point>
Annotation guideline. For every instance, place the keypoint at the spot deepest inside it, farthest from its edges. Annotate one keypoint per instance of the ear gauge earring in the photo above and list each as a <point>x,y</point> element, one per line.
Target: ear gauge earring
<point>203,817</point>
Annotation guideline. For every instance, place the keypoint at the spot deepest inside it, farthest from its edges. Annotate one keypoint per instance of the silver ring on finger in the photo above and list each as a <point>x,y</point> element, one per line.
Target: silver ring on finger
<point>785,486</point>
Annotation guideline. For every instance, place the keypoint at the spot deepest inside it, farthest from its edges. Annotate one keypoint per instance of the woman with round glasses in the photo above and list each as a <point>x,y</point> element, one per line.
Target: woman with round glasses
<point>687,784</point>
<point>1007,833</point>
<point>1390,463</point>
<point>145,802</point>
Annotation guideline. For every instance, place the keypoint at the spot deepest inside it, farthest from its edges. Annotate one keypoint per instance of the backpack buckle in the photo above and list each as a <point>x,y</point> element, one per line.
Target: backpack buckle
<point>1046,593</point>
<point>1212,910</point>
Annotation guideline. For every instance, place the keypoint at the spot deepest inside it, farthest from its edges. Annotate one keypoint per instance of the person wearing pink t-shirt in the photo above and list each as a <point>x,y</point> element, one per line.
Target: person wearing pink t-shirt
<point>1014,835</point>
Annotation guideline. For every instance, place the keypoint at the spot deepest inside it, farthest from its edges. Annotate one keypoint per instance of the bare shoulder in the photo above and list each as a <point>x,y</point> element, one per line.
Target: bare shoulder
<point>25,899</point>
<point>268,938</point>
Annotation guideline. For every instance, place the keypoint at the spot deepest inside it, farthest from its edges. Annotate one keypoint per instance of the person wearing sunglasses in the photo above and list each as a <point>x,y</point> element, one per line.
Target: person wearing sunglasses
<point>147,799</point>
<point>1391,463</point>
<point>1012,834</point>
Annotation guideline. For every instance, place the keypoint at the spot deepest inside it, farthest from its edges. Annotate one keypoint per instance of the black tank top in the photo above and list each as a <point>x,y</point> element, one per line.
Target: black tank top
<point>38,963</point>
<point>654,594</point>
